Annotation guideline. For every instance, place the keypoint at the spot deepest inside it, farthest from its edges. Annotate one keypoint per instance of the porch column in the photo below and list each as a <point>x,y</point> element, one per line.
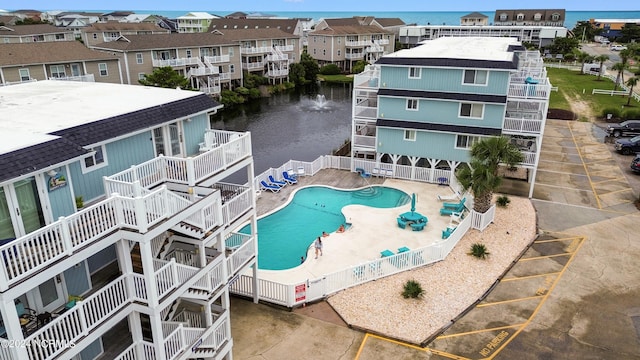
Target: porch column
<point>13,329</point>
<point>123,256</point>
<point>136,333</point>
<point>146,257</point>
<point>158,336</point>
<point>413,160</point>
<point>254,231</point>
<point>432,173</point>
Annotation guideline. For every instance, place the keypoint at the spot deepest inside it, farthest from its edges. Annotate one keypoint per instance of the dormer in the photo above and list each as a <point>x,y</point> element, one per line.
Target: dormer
<point>555,17</point>
<point>537,17</point>
<point>520,17</point>
<point>504,17</point>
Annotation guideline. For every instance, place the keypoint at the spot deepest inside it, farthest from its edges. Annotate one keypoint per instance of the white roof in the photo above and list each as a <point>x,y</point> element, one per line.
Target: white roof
<point>617,21</point>
<point>198,15</point>
<point>29,111</point>
<point>472,48</point>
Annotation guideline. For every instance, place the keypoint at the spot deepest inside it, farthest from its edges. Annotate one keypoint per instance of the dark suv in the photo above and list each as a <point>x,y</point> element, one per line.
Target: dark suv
<point>628,146</point>
<point>635,164</point>
<point>626,128</point>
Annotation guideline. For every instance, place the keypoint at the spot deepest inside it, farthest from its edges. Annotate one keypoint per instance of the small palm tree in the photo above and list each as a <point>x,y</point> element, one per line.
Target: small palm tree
<point>620,68</point>
<point>584,58</point>
<point>631,83</point>
<point>481,176</point>
<point>601,59</point>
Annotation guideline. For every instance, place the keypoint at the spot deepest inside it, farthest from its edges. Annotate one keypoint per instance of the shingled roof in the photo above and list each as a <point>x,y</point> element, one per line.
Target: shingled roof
<point>286,25</point>
<point>37,29</point>
<point>182,40</point>
<point>48,52</point>
<point>120,26</point>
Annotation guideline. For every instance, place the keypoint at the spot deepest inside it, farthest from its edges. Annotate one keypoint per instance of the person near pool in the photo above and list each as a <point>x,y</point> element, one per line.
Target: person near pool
<point>324,234</point>
<point>318,246</point>
<point>340,229</point>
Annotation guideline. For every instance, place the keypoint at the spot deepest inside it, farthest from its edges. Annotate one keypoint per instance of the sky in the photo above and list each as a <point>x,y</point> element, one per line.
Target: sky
<point>315,5</point>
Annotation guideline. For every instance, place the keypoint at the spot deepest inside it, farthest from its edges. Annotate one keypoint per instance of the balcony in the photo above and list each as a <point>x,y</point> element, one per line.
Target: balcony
<point>203,71</point>
<point>381,41</point>
<point>367,108</point>
<point>277,57</point>
<point>211,90</point>
<point>217,59</point>
<point>539,91</point>
<point>368,79</point>
<point>176,62</point>
<point>284,48</point>
<point>523,122</point>
<point>258,65</point>
<point>353,56</point>
<point>360,43</point>
<point>256,50</point>
<point>364,141</point>
<point>80,78</point>
<point>277,73</point>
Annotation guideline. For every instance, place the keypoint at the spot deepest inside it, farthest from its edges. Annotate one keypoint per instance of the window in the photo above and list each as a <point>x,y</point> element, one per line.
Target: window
<point>476,77</point>
<point>555,16</point>
<point>6,40</point>
<point>232,68</point>
<point>314,51</point>
<point>314,39</point>
<point>141,76</point>
<point>471,110</point>
<point>503,17</point>
<point>102,67</point>
<point>466,141</point>
<point>60,37</point>
<point>96,160</point>
<point>412,104</point>
<point>230,52</point>
<point>537,17</point>
<point>324,52</point>
<point>339,40</point>
<point>339,52</point>
<point>95,36</point>
<point>57,71</point>
<point>24,75</point>
<point>520,17</point>
<point>139,59</point>
<point>414,73</point>
<point>410,135</point>
<point>188,53</point>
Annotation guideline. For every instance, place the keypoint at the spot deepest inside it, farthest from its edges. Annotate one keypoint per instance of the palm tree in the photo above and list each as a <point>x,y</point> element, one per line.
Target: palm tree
<point>583,57</point>
<point>601,59</point>
<point>620,68</point>
<point>631,83</point>
<point>481,176</point>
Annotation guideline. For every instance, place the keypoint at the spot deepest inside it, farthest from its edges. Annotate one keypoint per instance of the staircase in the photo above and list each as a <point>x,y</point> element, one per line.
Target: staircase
<point>136,259</point>
<point>145,325</point>
<point>189,230</point>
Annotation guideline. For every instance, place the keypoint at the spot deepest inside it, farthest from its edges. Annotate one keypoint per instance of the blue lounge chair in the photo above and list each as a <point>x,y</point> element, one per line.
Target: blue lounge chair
<point>454,205</point>
<point>272,188</point>
<point>403,249</point>
<point>401,223</point>
<point>447,232</point>
<point>275,182</point>
<point>449,211</point>
<point>386,253</point>
<point>290,179</point>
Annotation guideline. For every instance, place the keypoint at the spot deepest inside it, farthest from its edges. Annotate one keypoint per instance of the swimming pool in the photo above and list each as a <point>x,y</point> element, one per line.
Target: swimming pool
<point>285,235</point>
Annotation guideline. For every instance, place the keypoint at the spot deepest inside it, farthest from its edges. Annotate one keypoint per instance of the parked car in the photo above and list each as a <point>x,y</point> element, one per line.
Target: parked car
<point>618,47</point>
<point>628,146</point>
<point>635,164</point>
<point>625,128</point>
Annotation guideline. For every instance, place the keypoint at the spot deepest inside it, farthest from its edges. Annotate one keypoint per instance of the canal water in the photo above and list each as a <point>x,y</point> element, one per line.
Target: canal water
<point>297,125</point>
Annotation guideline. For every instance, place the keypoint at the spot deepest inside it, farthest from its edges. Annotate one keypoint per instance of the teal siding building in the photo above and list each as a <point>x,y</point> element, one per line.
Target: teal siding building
<point>425,106</point>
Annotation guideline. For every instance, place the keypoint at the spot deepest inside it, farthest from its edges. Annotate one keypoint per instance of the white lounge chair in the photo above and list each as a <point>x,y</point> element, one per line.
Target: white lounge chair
<point>448,197</point>
<point>300,170</point>
<point>388,173</point>
<point>455,219</point>
<point>209,142</point>
<point>375,172</point>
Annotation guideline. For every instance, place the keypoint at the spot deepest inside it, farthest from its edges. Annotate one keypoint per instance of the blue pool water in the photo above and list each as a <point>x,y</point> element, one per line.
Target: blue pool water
<point>284,236</point>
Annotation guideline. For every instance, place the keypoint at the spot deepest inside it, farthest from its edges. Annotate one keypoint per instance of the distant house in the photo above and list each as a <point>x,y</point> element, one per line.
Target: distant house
<point>474,19</point>
<point>104,32</point>
<point>66,60</point>
<point>611,28</point>
<point>539,17</point>
<point>345,41</point>
<point>115,16</point>
<point>8,19</point>
<point>34,33</point>
<point>195,22</point>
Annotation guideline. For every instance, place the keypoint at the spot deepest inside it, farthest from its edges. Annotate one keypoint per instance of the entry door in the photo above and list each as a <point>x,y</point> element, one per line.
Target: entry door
<point>167,140</point>
<point>50,294</point>
<point>75,70</point>
<point>20,204</point>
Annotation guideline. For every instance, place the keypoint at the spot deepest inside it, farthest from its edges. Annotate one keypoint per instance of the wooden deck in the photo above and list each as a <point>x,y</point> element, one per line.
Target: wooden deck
<point>343,179</point>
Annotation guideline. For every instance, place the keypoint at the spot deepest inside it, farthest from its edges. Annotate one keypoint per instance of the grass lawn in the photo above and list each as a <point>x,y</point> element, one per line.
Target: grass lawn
<point>571,85</point>
<point>336,78</point>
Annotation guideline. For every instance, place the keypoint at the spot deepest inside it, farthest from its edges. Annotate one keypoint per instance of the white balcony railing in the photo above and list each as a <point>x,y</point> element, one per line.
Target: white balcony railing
<point>241,254</point>
<point>381,41</point>
<point>255,50</point>
<point>277,73</point>
<point>80,78</point>
<point>364,141</point>
<point>277,57</point>
<point>284,47</point>
<point>369,112</point>
<point>211,89</point>
<point>523,125</point>
<point>354,55</point>
<point>369,78</point>
<point>175,62</point>
<point>217,59</point>
<point>203,71</point>
<point>529,91</point>
<point>529,158</point>
<point>357,43</point>
<point>253,65</point>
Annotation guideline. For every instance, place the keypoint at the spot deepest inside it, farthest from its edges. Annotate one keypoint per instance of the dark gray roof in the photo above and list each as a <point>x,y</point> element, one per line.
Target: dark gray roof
<point>110,128</point>
<point>473,130</point>
<point>445,62</point>
<point>72,140</point>
<point>37,157</point>
<point>475,14</point>
<point>487,98</point>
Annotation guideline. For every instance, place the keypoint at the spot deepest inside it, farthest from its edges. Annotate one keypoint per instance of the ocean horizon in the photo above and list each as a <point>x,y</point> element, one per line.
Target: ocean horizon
<point>409,17</point>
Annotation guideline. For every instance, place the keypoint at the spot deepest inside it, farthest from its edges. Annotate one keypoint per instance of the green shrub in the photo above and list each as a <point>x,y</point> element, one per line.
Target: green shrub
<point>631,114</point>
<point>412,289</point>
<point>229,97</point>
<point>254,93</point>
<point>503,200</point>
<point>479,250</point>
<point>330,69</point>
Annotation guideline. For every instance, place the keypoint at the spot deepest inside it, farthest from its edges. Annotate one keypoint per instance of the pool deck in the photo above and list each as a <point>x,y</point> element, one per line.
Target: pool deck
<point>372,229</point>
